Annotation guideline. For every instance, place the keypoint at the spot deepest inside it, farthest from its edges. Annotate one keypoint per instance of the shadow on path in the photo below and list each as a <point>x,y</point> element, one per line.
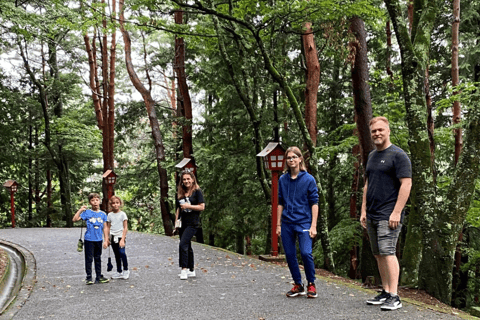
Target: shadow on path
<point>227,286</point>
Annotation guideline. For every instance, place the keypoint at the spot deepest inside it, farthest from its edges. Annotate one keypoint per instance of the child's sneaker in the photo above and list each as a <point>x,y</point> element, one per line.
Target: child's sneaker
<point>311,290</point>
<point>102,280</point>
<point>118,275</point>
<point>184,274</point>
<point>126,274</point>
<point>88,281</point>
<point>297,290</point>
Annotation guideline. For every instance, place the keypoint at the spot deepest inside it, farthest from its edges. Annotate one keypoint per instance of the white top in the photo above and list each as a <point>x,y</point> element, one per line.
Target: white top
<point>116,222</point>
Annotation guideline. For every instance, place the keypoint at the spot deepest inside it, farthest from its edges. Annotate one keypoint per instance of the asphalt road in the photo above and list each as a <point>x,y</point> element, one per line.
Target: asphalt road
<point>227,286</point>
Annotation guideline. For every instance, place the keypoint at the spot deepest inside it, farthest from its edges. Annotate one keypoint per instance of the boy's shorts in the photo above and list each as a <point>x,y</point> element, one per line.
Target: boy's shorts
<point>383,240</point>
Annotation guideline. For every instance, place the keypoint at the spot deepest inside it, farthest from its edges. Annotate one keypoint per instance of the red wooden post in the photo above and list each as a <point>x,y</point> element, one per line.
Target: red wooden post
<point>12,186</point>
<point>274,213</point>
<point>12,204</point>
<point>274,160</point>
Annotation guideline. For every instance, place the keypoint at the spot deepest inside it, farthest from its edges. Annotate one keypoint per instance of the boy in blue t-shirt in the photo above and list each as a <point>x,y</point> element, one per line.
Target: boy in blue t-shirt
<point>96,221</point>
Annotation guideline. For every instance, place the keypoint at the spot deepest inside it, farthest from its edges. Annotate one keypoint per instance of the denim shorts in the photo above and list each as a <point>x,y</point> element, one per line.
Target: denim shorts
<point>383,240</point>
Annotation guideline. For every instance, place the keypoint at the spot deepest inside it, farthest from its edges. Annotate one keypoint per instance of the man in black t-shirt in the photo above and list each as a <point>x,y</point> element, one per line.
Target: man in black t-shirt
<point>387,187</point>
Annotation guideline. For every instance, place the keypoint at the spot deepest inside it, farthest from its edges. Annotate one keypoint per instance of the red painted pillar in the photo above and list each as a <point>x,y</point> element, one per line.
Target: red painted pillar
<point>12,204</point>
<point>274,213</point>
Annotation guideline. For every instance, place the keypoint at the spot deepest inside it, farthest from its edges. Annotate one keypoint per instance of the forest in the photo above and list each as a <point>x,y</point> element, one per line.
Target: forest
<point>137,86</point>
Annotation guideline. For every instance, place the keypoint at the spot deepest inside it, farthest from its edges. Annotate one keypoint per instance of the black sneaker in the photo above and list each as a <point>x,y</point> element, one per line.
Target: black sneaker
<point>297,290</point>
<point>102,280</point>
<point>392,303</point>
<point>88,282</point>
<point>380,299</point>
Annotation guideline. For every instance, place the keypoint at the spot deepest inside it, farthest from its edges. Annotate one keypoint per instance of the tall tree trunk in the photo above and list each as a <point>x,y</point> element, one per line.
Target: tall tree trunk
<point>363,115</point>
<point>455,78</point>
<point>152,116</point>
<point>312,81</point>
<point>184,96</point>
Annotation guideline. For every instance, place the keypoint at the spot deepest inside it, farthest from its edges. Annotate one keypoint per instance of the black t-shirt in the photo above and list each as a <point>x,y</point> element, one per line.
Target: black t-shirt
<point>384,170</point>
<point>190,217</point>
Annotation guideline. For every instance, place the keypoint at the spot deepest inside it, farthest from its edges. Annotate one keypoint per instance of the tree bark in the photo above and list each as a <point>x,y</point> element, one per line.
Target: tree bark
<point>312,81</point>
<point>152,116</point>
<point>184,96</point>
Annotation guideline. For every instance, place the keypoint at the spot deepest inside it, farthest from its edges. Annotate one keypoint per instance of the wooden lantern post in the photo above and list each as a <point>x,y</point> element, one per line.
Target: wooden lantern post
<point>188,165</point>
<point>274,160</point>
<point>110,180</point>
<point>12,186</point>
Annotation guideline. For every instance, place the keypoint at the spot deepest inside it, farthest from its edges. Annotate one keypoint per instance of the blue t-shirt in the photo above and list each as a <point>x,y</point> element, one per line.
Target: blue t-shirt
<point>384,170</point>
<point>297,196</point>
<point>95,221</point>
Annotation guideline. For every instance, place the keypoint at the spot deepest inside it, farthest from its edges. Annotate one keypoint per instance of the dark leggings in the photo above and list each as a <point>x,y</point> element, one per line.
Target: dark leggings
<point>120,254</point>
<point>186,252</point>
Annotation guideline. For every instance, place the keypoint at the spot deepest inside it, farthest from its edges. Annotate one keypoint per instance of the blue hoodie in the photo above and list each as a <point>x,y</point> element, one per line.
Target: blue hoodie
<point>297,196</point>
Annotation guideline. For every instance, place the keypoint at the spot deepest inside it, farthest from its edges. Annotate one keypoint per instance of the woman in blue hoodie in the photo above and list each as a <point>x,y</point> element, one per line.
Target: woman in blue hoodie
<point>297,217</point>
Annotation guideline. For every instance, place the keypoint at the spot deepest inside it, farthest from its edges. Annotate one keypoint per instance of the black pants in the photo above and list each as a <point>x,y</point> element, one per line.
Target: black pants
<point>186,252</point>
<point>93,253</point>
<point>120,254</point>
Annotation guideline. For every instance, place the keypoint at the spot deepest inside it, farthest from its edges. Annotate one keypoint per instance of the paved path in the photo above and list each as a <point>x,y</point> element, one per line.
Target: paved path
<point>227,286</point>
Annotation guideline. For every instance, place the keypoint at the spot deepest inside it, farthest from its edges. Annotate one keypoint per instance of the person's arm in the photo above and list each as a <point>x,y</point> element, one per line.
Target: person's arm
<point>76,217</point>
<point>124,234</point>
<point>363,212</point>
<point>106,233</point>
<point>313,227</point>
<point>279,219</point>
<point>194,207</point>
<point>403,194</point>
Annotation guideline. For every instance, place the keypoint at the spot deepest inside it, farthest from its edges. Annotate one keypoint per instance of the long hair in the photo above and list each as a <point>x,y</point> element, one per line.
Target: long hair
<point>182,190</point>
<point>299,154</point>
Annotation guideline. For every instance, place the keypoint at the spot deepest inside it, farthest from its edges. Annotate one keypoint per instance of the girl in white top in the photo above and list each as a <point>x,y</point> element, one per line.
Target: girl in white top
<point>117,227</point>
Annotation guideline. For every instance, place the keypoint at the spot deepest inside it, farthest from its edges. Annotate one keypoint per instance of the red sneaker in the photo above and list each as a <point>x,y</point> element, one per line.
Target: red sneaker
<point>311,290</point>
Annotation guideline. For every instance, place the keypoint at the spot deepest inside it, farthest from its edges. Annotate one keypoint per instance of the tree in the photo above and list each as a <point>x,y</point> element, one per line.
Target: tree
<point>156,134</point>
<point>442,220</point>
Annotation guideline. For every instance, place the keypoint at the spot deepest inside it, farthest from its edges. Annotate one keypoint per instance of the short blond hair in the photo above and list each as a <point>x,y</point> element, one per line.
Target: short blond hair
<point>376,119</point>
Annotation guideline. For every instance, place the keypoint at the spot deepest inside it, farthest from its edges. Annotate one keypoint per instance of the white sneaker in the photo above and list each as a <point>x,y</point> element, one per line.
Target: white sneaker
<point>117,275</point>
<point>184,274</point>
<point>190,274</point>
<point>126,274</point>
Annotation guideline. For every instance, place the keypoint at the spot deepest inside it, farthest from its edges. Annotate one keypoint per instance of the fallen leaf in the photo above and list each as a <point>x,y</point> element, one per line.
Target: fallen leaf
<point>134,268</point>
<point>147,267</point>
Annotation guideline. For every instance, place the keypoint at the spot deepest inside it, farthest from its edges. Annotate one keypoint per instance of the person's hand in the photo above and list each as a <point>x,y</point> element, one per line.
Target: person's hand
<point>394,220</point>
<point>312,232</point>
<point>363,220</point>
<point>279,230</point>
<point>122,243</point>
<point>186,206</point>
<point>83,208</point>
<point>105,244</point>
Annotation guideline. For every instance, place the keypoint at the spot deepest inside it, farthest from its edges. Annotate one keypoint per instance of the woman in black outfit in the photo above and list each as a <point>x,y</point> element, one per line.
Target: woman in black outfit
<point>189,204</point>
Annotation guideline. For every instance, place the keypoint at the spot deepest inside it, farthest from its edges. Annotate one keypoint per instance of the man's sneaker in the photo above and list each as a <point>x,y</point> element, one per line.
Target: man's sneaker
<point>190,274</point>
<point>118,275</point>
<point>126,274</point>
<point>311,290</point>
<point>102,280</point>
<point>184,274</point>
<point>88,282</point>
<point>380,299</point>
<point>297,290</point>
<point>392,303</point>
